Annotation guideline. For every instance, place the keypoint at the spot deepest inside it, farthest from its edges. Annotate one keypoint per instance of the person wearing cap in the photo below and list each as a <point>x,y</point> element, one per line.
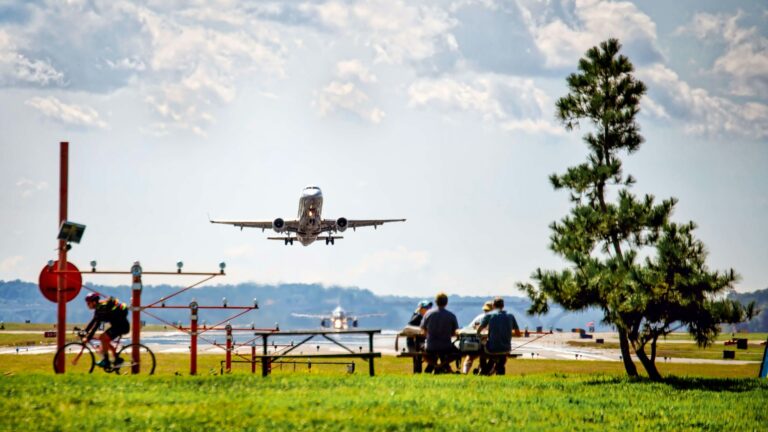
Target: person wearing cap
<point>416,343</point>
<point>439,325</point>
<point>472,327</point>
<point>501,326</point>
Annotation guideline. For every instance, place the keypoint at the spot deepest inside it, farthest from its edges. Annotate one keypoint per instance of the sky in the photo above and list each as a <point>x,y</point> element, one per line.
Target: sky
<point>441,112</point>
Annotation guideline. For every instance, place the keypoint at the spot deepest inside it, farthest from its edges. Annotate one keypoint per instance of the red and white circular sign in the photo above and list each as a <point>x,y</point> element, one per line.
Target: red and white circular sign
<point>49,282</point>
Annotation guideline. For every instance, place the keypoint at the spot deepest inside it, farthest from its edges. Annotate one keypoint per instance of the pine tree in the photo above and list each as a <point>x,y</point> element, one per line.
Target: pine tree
<point>600,238</point>
<point>608,227</point>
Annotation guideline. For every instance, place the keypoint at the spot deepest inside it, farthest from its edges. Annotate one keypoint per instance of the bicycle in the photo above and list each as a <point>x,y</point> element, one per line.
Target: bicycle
<point>79,357</point>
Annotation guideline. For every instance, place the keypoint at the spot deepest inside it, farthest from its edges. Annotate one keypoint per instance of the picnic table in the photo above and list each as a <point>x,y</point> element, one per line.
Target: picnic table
<point>267,358</point>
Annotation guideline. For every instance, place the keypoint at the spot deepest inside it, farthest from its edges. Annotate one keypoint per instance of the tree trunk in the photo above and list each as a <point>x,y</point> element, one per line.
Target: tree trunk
<point>649,365</point>
<point>626,356</point>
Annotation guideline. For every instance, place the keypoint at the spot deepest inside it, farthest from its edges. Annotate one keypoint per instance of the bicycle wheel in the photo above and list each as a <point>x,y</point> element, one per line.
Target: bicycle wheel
<point>78,358</point>
<point>145,364</point>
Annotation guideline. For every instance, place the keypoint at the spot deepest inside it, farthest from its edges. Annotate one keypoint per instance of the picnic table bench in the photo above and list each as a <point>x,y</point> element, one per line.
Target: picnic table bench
<point>267,358</point>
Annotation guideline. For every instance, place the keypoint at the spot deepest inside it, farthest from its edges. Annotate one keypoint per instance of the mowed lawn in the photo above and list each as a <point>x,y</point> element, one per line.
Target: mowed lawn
<point>537,395</point>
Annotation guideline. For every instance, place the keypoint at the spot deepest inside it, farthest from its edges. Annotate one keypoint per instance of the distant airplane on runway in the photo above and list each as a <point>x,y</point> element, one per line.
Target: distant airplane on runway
<point>310,225</point>
<point>338,319</point>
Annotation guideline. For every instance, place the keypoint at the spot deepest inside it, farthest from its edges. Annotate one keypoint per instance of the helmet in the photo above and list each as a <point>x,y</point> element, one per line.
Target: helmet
<point>91,297</point>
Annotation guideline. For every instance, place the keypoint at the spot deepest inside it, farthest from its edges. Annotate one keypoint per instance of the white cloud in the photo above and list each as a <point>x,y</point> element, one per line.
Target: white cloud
<point>346,96</point>
<point>185,60</point>
<point>513,104</point>
<point>196,67</point>
<point>11,263</point>
<point>702,112</point>
<point>745,60</point>
<point>74,115</point>
<point>128,63</point>
<point>563,41</point>
<point>16,68</point>
<point>28,187</point>
<point>398,31</point>
<point>354,69</point>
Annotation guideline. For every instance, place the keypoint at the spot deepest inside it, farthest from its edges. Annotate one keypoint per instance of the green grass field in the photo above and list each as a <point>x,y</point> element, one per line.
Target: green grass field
<point>535,395</point>
<point>562,401</point>
<point>680,350</point>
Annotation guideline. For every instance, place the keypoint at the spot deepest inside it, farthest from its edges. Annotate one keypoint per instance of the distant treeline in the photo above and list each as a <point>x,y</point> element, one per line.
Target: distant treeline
<point>21,301</point>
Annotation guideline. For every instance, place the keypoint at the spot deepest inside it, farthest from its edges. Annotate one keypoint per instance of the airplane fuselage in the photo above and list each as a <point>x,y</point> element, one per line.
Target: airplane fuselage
<point>310,215</point>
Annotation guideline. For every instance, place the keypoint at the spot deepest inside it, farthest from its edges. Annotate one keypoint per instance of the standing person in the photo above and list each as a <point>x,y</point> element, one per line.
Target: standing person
<point>500,327</point>
<point>472,327</point>
<point>416,343</point>
<point>439,325</point>
<point>110,311</point>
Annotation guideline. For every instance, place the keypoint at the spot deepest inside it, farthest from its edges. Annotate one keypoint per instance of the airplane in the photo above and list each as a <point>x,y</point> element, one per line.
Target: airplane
<point>309,226</point>
<point>338,320</point>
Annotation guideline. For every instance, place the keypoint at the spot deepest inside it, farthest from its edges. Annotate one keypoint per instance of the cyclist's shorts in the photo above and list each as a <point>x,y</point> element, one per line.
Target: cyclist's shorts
<point>118,328</point>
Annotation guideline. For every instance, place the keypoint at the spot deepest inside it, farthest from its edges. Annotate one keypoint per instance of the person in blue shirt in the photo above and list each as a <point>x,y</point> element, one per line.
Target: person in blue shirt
<point>439,325</point>
<point>501,326</point>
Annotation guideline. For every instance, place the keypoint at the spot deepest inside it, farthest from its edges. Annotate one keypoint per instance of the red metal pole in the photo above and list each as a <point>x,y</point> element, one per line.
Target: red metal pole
<point>61,321</point>
<point>253,357</point>
<point>229,347</point>
<point>193,341</point>
<point>136,316</point>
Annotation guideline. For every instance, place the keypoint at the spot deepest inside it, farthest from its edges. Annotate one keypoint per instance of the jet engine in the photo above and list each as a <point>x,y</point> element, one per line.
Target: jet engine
<point>278,225</point>
<point>341,224</point>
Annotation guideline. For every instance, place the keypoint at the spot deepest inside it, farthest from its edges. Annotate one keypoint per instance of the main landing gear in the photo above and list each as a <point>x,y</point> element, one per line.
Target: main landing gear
<point>329,240</point>
<point>288,241</point>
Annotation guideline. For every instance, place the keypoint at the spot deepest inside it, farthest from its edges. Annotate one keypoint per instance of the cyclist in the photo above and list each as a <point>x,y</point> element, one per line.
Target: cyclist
<point>110,311</point>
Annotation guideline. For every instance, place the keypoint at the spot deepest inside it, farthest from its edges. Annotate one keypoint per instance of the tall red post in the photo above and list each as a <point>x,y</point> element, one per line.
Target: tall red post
<point>229,347</point>
<point>61,321</point>
<point>136,317</point>
<point>253,357</point>
<point>193,341</point>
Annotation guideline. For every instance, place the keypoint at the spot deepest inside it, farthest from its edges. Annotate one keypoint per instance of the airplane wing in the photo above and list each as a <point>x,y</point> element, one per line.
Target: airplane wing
<point>290,225</point>
<point>301,315</point>
<point>371,315</point>
<point>330,224</point>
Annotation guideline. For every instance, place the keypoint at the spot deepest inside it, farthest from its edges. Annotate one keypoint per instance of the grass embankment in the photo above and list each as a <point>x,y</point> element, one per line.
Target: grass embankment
<point>172,364</point>
<point>299,402</point>
<point>682,346</point>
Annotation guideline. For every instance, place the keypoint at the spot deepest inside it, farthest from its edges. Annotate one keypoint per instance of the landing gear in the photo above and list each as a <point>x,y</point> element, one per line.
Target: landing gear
<point>329,240</point>
<point>288,241</point>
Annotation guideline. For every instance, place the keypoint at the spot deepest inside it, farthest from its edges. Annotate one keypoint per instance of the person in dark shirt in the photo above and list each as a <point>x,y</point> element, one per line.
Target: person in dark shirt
<point>112,312</point>
<point>440,325</point>
<point>416,343</point>
<point>501,326</point>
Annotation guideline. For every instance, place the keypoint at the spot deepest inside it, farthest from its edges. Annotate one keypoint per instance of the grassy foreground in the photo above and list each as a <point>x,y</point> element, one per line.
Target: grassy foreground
<point>178,364</point>
<point>42,402</point>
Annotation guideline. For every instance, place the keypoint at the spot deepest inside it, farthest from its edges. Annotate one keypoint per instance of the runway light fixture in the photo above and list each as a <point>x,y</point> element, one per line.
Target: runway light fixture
<point>179,266</point>
<point>224,301</point>
<point>222,266</point>
<point>93,265</point>
<point>255,303</point>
